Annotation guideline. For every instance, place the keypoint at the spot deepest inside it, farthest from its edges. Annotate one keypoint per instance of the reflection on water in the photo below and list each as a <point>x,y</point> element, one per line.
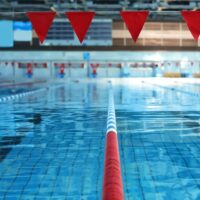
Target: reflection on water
<point>6,144</point>
<point>37,118</point>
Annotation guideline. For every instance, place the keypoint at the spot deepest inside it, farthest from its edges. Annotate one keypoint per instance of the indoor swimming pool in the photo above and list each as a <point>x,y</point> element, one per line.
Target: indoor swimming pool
<point>52,142</point>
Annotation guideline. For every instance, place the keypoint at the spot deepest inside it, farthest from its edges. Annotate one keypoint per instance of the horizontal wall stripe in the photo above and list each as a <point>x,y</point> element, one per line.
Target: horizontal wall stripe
<point>152,34</point>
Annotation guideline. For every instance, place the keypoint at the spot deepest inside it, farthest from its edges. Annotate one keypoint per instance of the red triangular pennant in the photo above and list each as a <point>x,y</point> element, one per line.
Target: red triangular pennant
<point>134,21</point>
<point>80,22</point>
<point>41,22</point>
<point>192,18</point>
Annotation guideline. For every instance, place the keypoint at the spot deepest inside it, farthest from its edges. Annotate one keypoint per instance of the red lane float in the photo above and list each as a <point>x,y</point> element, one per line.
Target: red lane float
<point>112,183</point>
<point>62,71</point>
<point>29,70</point>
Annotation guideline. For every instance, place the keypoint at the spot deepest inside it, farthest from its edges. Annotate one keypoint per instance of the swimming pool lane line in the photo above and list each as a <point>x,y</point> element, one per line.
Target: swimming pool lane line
<point>173,89</point>
<point>112,180</point>
<point>16,96</point>
<point>24,94</point>
<point>21,84</point>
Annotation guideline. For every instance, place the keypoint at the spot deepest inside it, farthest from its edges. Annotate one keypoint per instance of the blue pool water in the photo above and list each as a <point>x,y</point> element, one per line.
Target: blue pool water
<point>52,143</point>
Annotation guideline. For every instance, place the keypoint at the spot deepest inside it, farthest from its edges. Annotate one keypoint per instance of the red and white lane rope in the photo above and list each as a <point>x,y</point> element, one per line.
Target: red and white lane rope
<point>112,181</point>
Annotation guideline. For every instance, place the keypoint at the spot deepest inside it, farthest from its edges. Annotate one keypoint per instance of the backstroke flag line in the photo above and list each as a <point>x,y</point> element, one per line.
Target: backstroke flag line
<point>192,19</point>
<point>134,21</point>
<point>80,22</point>
<point>41,22</point>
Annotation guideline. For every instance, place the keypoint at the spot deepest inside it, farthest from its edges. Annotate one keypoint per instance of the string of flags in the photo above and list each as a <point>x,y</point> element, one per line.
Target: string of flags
<point>81,20</point>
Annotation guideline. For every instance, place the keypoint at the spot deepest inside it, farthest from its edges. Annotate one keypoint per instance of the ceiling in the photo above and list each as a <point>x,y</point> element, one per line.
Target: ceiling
<point>160,10</point>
